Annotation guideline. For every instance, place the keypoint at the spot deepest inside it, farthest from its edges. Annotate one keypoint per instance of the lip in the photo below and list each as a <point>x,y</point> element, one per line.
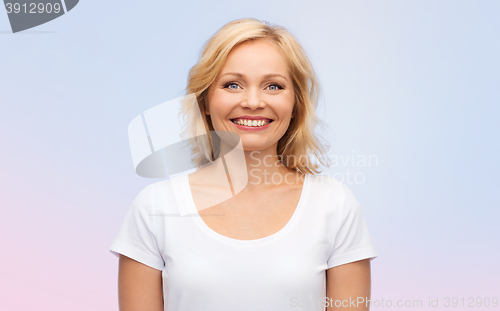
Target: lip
<point>253,118</point>
<point>252,128</point>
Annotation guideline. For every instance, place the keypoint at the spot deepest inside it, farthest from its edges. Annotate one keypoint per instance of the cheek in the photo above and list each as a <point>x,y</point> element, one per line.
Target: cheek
<point>217,104</point>
<point>285,105</point>
<point>220,104</point>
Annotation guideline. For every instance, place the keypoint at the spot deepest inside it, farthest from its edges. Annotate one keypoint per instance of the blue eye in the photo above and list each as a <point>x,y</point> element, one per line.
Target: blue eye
<point>231,85</point>
<point>275,87</point>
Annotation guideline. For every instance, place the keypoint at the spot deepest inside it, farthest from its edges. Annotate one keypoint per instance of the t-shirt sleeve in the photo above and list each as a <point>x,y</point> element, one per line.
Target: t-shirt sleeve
<point>136,237</point>
<point>352,240</point>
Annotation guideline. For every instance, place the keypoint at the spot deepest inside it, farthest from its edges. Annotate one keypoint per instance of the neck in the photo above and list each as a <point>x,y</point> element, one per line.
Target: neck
<point>261,166</point>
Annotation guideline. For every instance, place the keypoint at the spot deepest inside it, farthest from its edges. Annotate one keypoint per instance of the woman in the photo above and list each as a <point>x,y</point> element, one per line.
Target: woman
<point>289,239</point>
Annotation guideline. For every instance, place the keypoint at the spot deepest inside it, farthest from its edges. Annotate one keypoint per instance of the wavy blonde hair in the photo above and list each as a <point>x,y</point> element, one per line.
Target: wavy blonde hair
<point>299,141</point>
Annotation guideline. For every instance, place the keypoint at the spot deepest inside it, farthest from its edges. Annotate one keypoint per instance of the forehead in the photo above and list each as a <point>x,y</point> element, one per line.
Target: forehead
<point>256,57</point>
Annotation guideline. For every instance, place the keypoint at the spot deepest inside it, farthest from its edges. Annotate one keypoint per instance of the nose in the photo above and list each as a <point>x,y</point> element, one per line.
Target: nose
<point>252,99</point>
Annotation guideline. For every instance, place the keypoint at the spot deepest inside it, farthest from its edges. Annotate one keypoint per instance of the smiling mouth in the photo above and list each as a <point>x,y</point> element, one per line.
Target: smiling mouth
<point>251,123</point>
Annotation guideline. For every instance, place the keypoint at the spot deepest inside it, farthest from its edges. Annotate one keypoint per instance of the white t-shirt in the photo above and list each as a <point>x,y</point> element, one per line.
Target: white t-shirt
<point>203,270</point>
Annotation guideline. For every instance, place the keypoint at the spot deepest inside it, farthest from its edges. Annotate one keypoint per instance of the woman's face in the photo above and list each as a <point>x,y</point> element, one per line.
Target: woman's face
<point>253,95</point>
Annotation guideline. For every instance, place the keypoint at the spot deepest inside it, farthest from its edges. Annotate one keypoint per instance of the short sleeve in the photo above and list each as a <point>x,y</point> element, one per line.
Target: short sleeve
<point>136,237</point>
<point>352,240</point>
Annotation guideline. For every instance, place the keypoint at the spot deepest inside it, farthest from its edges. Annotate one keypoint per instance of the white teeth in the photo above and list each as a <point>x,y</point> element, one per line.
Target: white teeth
<point>251,122</point>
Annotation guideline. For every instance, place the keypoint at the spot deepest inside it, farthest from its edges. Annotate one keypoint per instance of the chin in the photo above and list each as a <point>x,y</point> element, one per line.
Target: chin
<point>254,146</point>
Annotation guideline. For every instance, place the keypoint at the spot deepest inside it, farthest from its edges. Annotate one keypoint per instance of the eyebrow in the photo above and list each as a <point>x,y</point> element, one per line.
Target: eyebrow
<point>271,75</point>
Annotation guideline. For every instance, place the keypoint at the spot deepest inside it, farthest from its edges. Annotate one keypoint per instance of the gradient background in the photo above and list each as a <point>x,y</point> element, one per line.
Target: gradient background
<point>415,83</point>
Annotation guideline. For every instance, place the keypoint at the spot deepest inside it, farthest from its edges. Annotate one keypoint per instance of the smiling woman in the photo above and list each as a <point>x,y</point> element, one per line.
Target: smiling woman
<point>276,244</point>
<point>252,59</point>
<point>253,85</point>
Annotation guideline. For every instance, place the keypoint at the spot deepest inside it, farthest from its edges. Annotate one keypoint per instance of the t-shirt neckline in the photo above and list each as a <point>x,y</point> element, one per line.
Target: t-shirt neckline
<point>245,243</point>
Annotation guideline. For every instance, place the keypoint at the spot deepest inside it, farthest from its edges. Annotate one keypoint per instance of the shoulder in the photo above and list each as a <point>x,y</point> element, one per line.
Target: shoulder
<point>334,195</point>
<point>155,189</point>
<point>156,196</point>
<point>335,190</point>
<point>326,192</point>
<point>325,183</point>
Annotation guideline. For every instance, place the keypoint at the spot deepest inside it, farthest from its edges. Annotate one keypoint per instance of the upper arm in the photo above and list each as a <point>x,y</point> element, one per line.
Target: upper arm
<point>347,283</point>
<point>139,286</point>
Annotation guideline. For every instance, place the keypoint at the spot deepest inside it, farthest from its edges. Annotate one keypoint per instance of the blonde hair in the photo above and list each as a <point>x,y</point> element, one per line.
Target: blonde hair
<point>299,141</point>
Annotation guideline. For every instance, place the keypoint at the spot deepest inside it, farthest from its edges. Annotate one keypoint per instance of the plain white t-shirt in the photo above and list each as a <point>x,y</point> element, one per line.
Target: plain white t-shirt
<point>203,270</point>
